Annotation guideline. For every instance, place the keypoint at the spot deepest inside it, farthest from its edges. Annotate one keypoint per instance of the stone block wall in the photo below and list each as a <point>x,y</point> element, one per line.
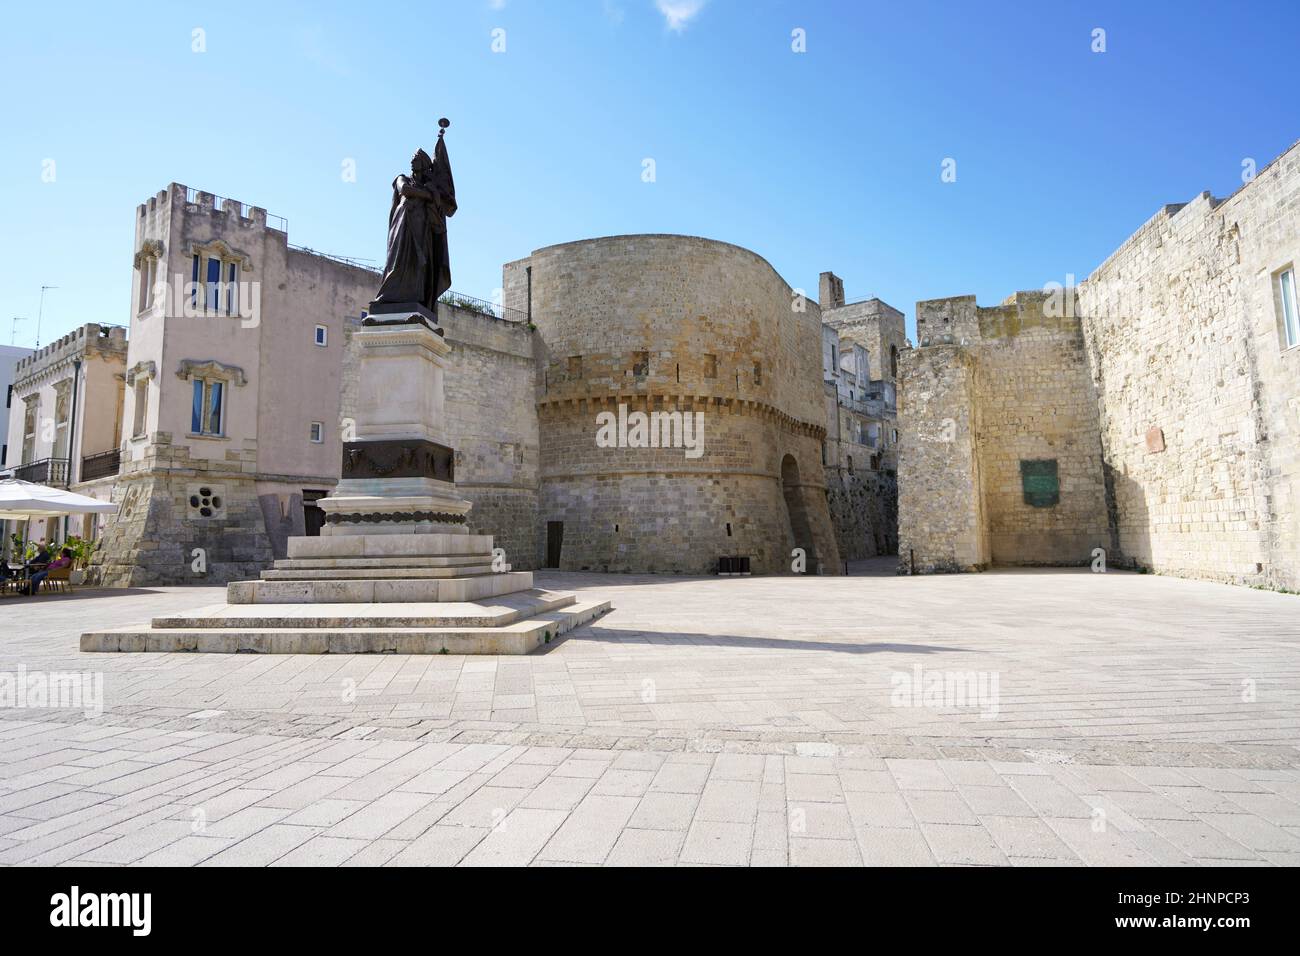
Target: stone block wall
<point>152,539</point>
<point>1020,384</point>
<point>941,521</point>
<point>489,391</point>
<point>1163,388</point>
<point>677,323</point>
<point>864,512</point>
<point>1198,393</point>
<point>1037,403</point>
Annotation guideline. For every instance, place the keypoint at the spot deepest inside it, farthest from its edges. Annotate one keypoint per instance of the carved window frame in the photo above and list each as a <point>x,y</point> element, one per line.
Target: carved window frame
<point>205,373</point>
<point>146,263</point>
<point>31,426</point>
<point>219,298</point>
<point>137,379</point>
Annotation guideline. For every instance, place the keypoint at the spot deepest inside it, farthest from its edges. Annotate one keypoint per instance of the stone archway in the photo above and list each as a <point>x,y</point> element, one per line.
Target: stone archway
<point>797,511</point>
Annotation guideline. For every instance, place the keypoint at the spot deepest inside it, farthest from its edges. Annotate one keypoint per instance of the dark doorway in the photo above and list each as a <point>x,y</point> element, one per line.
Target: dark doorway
<point>313,517</point>
<point>800,529</point>
<point>554,542</point>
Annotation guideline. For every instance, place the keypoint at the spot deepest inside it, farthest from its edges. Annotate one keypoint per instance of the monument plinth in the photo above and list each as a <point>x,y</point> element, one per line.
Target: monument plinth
<point>398,473</point>
<point>395,569</point>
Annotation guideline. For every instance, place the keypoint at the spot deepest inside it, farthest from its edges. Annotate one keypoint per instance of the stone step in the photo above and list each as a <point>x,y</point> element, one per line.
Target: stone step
<point>378,590</point>
<point>343,574</point>
<point>520,637</point>
<point>389,545</point>
<point>397,561</point>
<point>488,614</point>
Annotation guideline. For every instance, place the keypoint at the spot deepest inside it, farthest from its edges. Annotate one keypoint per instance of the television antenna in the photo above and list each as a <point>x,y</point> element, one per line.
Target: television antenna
<point>41,313</point>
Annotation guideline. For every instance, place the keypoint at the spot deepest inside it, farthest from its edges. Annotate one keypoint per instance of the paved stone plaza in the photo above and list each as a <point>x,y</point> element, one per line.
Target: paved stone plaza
<point>1134,720</point>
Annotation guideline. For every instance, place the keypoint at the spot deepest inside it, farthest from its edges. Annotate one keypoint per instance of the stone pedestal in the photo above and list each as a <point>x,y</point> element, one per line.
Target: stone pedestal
<point>395,569</point>
<point>398,474</point>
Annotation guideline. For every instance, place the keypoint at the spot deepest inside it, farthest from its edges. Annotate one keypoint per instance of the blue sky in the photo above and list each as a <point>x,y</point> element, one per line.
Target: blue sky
<point>826,159</point>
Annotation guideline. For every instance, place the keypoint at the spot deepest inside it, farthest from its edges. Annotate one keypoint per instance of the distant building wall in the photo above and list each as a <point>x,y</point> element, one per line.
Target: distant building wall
<point>861,450</point>
<point>10,356</point>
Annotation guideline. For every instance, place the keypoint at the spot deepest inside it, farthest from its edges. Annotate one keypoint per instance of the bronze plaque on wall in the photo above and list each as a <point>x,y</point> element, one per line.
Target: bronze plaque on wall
<point>1038,479</point>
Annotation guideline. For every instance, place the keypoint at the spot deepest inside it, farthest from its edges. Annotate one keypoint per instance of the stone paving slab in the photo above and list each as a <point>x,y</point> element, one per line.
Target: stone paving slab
<point>1137,720</point>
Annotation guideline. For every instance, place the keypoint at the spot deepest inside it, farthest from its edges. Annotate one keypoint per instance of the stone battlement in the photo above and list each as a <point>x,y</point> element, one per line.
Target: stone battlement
<point>91,337</point>
<point>178,195</point>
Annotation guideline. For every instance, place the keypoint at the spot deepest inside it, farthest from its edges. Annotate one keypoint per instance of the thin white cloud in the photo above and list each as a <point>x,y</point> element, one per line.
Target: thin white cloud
<point>678,13</point>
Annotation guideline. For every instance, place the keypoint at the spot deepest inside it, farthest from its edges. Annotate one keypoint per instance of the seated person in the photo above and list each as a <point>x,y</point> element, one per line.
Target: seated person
<point>34,582</point>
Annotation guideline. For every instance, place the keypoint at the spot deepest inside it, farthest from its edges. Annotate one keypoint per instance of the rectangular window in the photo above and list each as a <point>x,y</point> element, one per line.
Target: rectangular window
<point>148,276</point>
<point>215,391</point>
<point>317,432</point>
<point>213,300</point>
<point>141,406</point>
<point>194,282</point>
<point>196,409</point>
<point>29,430</point>
<point>1290,311</point>
<point>206,408</point>
<point>322,336</point>
<point>758,373</point>
<point>640,363</point>
<point>232,288</point>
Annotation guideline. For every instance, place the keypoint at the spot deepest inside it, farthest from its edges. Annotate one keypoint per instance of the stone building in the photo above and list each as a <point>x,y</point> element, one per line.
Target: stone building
<point>233,401</point>
<point>238,380</point>
<point>233,383</point>
<point>679,404</point>
<point>1153,412</point>
<point>65,418</point>
<point>861,342</point>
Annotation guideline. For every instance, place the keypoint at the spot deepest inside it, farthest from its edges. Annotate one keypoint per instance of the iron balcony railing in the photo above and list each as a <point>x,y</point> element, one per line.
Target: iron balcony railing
<point>47,471</point>
<point>103,465</point>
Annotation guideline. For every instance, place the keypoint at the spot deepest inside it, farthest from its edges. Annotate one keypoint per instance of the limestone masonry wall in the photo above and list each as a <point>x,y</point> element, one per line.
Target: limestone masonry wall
<point>941,523</point>
<point>1036,403</point>
<point>1153,412</point>
<point>1198,393</point>
<point>676,324</point>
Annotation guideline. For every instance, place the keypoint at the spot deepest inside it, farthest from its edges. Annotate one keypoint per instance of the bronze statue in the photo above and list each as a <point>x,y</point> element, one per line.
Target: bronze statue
<point>417,269</point>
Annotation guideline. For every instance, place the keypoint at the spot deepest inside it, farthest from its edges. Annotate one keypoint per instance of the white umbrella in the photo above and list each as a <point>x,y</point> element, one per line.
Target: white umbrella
<point>24,499</point>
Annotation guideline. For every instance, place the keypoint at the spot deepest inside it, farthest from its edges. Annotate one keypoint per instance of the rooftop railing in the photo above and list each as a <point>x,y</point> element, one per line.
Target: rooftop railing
<point>483,307</point>
<point>367,264</point>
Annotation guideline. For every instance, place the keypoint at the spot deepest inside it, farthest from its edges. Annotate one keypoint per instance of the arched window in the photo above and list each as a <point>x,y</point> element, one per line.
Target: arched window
<point>893,361</point>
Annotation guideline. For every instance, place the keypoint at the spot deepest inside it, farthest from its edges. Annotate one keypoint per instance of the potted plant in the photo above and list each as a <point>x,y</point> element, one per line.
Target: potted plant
<point>81,549</point>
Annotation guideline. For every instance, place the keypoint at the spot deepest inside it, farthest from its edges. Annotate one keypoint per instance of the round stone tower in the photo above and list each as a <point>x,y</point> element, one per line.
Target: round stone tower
<point>680,406</point>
